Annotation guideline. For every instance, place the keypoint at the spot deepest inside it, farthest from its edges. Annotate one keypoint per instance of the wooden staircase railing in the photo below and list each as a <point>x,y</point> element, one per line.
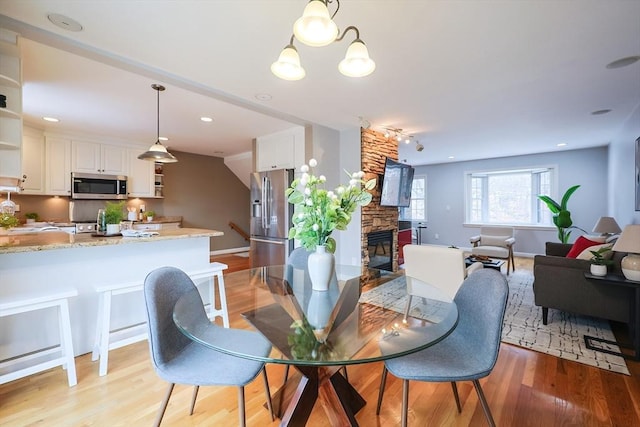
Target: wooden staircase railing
<point>239,230</point>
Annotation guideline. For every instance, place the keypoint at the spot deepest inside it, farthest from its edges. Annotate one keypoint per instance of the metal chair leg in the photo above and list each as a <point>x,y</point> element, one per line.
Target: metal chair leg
<point>383,382</point>
<point>163,406</point>
<point>405,402</point>
<point>241,415</point>
<point>344,372</point>
<point>483,402</point>
<point>268,392</point>
<point>286,374</point>
<point>193,399</point>
<point>456,395</point>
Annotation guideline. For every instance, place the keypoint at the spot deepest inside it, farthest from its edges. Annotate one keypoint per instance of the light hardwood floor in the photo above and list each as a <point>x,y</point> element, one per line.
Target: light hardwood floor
<point>525,389</point>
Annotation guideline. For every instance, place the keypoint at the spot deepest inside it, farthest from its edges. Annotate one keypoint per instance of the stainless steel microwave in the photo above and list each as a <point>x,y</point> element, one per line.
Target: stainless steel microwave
<point>98,186</point>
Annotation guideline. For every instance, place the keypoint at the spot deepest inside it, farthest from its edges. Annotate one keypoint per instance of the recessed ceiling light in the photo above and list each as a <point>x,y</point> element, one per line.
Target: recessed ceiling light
<point>623,62</point>
<point>599,112</point>
<point>451,157</point>
<point>263,97</point>
<point>163,138</point>
<point>562,144</point>
<point>51,119</point>
<point>64,22</point>
<point>206,119</point>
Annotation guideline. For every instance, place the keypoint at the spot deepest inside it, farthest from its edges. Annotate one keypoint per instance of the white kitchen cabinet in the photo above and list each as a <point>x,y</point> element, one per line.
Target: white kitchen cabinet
<point>281,150</point>
<point>11,114</point>
<point>93,157</point>
<point>33,162</point>
<point>57,166</point>
<point>141,176</point>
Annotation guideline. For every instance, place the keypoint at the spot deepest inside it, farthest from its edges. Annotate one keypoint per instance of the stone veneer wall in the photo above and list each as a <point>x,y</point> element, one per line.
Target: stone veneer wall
<point>375,148</point>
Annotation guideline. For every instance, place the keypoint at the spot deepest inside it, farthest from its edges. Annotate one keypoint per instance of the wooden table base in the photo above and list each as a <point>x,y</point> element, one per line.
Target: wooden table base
<point>321,384</point>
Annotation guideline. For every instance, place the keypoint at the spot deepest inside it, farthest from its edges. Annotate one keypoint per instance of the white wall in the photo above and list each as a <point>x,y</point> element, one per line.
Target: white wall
<point>622,172</point>
<point>348,241</point>
<point>445,196</point>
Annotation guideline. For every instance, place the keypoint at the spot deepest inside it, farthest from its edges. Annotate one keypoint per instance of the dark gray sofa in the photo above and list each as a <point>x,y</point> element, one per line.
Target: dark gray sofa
<point>559,283</point>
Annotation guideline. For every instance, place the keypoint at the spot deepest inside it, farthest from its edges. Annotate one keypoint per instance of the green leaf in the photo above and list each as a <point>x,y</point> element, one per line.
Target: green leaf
<point>567,194</point>
<point>370,185</point>
<point>553,206</point>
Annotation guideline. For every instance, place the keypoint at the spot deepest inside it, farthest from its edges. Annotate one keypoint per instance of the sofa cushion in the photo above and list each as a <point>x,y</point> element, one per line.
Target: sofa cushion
<point>580,245</point>
<point>586,254</point>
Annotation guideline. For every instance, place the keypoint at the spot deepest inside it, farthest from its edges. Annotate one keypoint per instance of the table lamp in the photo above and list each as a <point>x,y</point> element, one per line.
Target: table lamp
<point>629,241</point>
<point>606,226</point>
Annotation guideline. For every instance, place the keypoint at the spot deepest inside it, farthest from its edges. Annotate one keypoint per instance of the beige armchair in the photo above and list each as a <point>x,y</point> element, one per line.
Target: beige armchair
<point>438,266</point>
<point>495,242</point>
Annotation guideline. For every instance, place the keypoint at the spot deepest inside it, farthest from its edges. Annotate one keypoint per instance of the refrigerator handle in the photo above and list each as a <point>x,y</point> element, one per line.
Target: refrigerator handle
<point>265,182</point>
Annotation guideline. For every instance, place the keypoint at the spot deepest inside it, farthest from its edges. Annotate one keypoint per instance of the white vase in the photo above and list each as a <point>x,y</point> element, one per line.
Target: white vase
<point>598,270</point>
<point>320,265</point>
<point>319,309</point>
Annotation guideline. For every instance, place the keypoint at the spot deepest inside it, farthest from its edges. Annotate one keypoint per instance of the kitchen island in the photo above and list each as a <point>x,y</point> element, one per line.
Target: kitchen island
<point>50,259</point>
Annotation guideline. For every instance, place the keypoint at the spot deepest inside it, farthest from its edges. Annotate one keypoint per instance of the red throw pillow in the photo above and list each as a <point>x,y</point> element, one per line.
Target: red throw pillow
<point>580,245</point>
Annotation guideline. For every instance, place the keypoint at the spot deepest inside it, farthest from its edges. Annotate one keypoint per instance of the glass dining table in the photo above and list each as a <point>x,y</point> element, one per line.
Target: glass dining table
<point>359,319</point>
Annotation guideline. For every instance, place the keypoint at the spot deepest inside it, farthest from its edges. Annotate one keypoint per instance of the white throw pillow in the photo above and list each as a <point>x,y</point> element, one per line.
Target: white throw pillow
<point>586,254</point>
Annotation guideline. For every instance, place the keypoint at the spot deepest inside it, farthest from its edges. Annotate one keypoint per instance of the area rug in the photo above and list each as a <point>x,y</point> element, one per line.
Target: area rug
<point>561,337</point>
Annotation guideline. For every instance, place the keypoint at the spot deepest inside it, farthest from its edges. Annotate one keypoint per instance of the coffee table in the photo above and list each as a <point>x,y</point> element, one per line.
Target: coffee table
<point>490,263</point>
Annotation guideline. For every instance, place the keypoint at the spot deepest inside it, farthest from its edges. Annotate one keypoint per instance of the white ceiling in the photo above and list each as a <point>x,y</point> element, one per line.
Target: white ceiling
<point>469,79</point>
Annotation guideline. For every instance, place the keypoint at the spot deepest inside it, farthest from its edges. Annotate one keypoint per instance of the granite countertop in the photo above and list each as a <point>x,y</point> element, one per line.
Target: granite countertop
<point>60,240</point>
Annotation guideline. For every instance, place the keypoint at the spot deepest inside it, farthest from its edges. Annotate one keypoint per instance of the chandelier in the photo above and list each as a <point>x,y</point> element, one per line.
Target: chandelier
<point>316,28</point>
<point>158,152</point>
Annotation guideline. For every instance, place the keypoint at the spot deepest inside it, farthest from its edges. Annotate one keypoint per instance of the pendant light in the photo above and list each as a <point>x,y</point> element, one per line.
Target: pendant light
<point>158,152</point>
<point>316,28</point>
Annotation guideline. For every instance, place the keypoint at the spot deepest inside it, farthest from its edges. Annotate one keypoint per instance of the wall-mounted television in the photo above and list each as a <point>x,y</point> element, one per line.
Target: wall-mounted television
<point>396,184</point>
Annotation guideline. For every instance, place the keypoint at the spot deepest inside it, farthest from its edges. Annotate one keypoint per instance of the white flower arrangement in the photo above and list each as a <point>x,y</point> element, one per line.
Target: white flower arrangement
<point>318,212</point>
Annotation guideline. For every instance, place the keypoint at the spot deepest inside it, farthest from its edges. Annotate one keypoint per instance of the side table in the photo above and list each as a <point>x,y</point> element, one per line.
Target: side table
<point>634,317</point>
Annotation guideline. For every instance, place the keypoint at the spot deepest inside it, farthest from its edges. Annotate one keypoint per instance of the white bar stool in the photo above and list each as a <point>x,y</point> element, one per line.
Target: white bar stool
<point>26,301</point>
<point>106,339</point>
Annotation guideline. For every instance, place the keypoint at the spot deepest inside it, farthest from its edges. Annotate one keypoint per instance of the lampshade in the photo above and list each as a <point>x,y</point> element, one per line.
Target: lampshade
<point>606,225</point>
<point>158,152</point>
<point>356,62</point>
<point>287,66</point>
<point>629,241</point>
<point>315,27</point>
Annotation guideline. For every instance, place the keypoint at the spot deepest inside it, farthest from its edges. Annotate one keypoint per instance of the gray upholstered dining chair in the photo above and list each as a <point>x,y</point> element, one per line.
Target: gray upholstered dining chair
<point>469,352</point>
<point>179,360</point>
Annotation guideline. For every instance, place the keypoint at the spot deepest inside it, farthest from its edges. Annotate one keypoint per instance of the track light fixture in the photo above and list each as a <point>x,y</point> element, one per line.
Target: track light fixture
<point>158,152</point>
<point>419,147</point>
<point>316,28</point>
<point>398,134</point>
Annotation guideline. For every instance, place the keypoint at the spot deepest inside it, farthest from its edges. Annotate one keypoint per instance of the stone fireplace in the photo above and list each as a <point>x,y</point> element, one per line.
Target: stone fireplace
<point>375,148</point>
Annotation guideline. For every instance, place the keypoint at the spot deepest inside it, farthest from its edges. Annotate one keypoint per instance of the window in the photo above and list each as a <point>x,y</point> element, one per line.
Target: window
<point>509,196</point>
<point>417,210</point>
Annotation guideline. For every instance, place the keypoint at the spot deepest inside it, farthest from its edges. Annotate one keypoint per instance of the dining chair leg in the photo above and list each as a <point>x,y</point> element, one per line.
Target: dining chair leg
<point>268,392</point>
<point>383,382</point>
<point>193,399</point>
<point>406,310</point>
<point>241,414</point>
<point>483,402</point>
<point>286,374</point>
<point>405,402</point>
<point>456,395</point>
<point>163,406</point>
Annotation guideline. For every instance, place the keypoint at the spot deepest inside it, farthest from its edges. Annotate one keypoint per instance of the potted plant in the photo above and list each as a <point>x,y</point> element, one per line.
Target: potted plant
<point>31,217</point>
<point>599,262</point>
<point>561,216</point>
<point>8,221</point>
<point>113,216</point>
<point>149,215</point>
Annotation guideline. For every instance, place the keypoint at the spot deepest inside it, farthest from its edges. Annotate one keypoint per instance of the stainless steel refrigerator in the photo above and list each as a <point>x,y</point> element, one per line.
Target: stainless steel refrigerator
<point>270,218</point>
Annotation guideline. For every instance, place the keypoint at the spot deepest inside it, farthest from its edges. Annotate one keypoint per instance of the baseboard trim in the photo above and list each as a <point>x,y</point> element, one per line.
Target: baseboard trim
<point>229,251</point>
